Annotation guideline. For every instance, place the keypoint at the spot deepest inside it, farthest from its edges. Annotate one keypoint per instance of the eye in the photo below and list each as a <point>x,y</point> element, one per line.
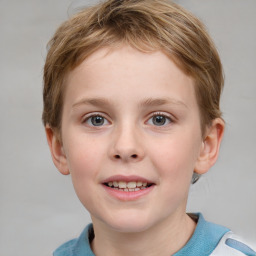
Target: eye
<point>96,120</point>
<point>159,119</point>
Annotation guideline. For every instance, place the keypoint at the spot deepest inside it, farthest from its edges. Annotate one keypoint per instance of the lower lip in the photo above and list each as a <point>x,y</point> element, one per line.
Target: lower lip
<point>128,195</point>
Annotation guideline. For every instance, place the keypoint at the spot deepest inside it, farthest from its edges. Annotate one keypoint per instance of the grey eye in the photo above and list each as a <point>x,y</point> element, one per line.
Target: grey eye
<point>159,120</point>
<point>97,120</point>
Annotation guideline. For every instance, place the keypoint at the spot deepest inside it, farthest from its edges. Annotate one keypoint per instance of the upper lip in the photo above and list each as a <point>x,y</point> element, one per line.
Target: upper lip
<point>126,178</point>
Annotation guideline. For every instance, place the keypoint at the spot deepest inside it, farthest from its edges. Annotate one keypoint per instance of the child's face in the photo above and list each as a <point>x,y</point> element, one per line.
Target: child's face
<point>131,116</point>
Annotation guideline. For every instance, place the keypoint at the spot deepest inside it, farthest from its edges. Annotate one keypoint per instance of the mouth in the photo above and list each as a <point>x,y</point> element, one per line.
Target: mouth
<point>130,186</point>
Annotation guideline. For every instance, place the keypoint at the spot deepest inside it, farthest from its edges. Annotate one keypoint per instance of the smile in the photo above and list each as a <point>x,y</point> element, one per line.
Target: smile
<point>128,186</point>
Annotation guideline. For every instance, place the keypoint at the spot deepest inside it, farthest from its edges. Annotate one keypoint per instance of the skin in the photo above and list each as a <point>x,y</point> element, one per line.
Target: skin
<point>126,88</point>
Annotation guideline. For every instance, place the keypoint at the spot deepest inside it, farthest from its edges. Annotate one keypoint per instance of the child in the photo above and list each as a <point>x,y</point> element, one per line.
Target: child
<point>131,111</point>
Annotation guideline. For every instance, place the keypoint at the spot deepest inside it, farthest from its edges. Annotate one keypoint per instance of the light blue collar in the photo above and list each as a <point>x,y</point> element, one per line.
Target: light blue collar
<point>204,240</point>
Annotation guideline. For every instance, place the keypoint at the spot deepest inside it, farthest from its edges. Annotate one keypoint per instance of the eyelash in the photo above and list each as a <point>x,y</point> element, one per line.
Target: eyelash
<point>88,118</point>
<point>157,114</point>
<point>167,118</point>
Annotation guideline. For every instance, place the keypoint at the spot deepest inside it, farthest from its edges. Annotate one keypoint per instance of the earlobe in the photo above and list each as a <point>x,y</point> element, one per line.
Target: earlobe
<point>210,146</point>
<point>57,152</point>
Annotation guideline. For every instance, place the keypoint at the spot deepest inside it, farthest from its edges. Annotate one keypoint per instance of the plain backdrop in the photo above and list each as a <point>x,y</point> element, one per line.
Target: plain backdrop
<point>38,207</point>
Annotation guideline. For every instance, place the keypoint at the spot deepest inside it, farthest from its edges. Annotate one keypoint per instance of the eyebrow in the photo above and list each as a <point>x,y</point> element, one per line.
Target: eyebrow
<point>161,101</point>
<point>98,102</point>
<point>150,102</point>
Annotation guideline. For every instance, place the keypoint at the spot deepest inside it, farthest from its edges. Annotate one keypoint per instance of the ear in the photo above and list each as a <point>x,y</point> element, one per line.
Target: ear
<point>57,152</point>
<point>210,146</point>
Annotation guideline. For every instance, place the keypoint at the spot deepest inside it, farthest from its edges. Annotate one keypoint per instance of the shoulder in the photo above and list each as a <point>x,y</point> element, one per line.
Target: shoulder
<point>77,247</point>
<point>210,239</point>
<point>233,245</point>
<point>66,249</point>
<point>204,239</point>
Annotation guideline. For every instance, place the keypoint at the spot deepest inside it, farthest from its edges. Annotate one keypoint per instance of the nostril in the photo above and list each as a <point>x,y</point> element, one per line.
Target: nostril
<point>133,156</point>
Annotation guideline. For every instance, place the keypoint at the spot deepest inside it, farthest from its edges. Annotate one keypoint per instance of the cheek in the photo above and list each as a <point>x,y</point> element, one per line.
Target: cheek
<point>175,158</point>
<point>84,161</point>
<point>82,153</point>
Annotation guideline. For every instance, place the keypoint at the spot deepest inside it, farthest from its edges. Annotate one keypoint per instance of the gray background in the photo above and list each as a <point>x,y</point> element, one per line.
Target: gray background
<point>38,207</point>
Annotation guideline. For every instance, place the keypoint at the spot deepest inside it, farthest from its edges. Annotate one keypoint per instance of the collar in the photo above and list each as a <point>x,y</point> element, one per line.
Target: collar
<point>203,241</point>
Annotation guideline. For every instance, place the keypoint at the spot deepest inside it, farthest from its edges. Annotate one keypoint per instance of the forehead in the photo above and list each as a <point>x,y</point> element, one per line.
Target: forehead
<point>126,71</point>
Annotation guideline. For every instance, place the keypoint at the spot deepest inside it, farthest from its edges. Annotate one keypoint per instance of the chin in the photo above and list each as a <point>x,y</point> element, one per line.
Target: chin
<point>129,224</point>
<point>129,228</point>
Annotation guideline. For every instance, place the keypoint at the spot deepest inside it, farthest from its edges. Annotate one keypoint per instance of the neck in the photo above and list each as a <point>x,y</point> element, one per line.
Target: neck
<point>165,238</point>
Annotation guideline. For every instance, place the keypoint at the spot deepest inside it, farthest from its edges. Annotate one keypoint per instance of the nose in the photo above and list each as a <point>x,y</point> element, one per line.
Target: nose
<point>126,145</point>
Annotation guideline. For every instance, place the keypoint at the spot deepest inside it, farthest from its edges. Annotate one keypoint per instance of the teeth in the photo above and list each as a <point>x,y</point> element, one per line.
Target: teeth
<point>131,184</point>
<point>122,184</point>
<point>128,186</point>
<point>139,183</point>
<point>115,183</point>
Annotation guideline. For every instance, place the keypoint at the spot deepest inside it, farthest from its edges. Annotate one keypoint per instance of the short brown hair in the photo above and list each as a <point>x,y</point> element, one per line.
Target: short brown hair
<point>147,25</point>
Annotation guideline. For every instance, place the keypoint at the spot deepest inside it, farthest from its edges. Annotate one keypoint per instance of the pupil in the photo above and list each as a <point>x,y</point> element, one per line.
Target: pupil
<point>97,120</point>
<point>159,120</point>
